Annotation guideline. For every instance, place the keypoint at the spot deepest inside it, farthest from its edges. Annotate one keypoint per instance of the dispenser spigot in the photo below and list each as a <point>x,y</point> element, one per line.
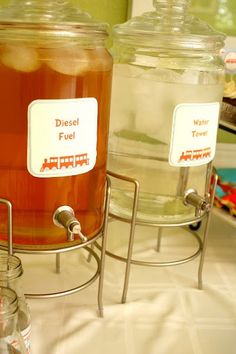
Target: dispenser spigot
<point>191,197</point>
<point>64,216</point>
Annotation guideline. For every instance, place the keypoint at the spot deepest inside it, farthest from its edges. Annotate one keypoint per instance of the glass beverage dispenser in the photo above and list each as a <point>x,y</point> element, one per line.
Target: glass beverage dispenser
<point>55,84</point>
<point>168,83</point>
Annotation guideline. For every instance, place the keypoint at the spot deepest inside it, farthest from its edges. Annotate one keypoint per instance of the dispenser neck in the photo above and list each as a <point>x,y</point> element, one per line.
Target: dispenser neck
<point>171,5</point>
<point>172,13</point>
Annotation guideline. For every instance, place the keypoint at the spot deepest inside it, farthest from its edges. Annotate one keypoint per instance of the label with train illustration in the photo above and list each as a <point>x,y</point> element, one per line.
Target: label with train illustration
<point>62,137</point>
<point>194,133</point>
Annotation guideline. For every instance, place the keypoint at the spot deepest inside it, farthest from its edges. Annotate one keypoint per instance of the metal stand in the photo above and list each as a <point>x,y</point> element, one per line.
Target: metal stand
<point>100,260</point>
<point>203,211</point>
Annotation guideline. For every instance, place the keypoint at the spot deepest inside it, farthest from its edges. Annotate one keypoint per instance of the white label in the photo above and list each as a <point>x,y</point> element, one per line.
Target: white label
<point>194,132</point>
<point>62,137</point>
<point>17,341</point>
<point>26,333</point>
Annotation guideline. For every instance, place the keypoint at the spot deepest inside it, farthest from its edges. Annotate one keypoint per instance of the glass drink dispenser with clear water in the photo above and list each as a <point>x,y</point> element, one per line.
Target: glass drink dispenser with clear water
<point>167,90</point>
<point>55,85</point>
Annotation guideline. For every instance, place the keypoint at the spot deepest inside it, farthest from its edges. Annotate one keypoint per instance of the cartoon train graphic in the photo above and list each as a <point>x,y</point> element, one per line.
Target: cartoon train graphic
<point>62,162</point>
<point>190,155</point>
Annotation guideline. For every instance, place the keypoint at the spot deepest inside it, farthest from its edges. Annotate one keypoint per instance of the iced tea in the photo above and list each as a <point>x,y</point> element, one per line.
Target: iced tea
<point>29,74</point>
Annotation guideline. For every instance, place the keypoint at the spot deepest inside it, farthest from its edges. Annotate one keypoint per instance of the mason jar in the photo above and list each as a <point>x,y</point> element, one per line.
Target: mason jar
<point>11,340</point>
<point>11,272</point>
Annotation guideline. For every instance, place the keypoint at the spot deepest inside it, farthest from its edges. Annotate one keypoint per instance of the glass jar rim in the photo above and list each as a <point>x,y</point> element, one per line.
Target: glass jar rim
<point>10,267</point>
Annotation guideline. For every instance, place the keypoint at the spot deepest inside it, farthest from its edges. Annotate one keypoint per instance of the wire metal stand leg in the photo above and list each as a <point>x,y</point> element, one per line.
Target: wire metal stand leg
<point>58,263</point>
<point>9,225</point>
<point>131,241</point>
<point>159,237</point>
<point>205,236</point>
<point>99,273</point>
<point>203,206</point>
<point>103,251</point>
<point>90,256</point>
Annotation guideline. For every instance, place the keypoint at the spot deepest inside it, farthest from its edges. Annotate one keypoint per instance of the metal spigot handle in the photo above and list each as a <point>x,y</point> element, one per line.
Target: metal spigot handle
<point>75,228</point>
<point>191,197</point>
<point>64,216</point>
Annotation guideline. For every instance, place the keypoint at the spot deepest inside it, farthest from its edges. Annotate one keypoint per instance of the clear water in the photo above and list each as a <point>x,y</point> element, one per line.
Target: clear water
<point>151,208</point>
<point>143,102</point>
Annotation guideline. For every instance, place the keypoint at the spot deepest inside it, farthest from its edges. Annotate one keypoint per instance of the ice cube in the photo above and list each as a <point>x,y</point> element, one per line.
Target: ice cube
<point>154,105</point>
<point>154,102</point>
<point>161,75</point>
<point>20,58</point>
<point>100,59</point>
<point>122,102</point>
<point>142,101</point>
<point>126,70</point>
<point>123,90</point>
<point>69,61</point>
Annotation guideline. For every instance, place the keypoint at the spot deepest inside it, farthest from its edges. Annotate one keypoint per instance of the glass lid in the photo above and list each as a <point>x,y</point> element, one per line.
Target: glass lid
<point>57,17</point>
<point>169,25</point>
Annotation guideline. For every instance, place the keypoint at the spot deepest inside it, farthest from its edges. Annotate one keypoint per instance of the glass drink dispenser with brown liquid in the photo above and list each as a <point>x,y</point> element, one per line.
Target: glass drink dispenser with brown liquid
<point>55,83</point>
<point>168,81</point>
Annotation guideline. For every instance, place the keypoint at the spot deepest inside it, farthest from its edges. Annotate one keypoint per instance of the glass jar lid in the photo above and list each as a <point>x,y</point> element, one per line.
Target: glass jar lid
<point>169,26</point>
<point>48,18</point>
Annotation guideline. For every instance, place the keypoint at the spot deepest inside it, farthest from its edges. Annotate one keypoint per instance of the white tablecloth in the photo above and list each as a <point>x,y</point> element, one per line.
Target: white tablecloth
<point>165,313</point>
